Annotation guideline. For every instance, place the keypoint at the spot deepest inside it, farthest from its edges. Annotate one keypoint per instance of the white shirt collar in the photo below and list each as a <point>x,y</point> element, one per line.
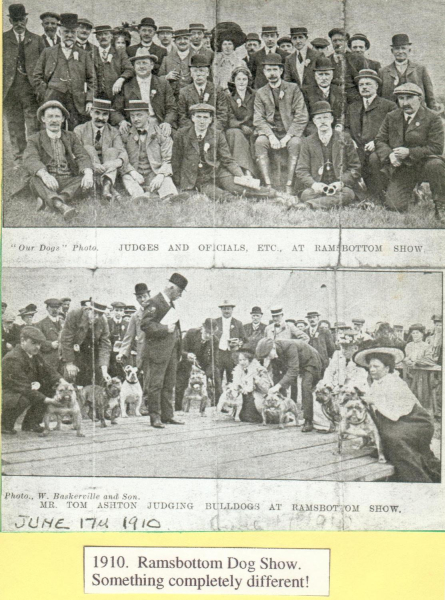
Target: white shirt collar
<point>325,90</point>
<point>183,54</point>
<point>146,45</point>
<point>53,319</point>
<point>51,41</point>
<point>201,133</point>
<point>17,36</point>
<point>200,88</point>
<point>272,50</point>
<point>368,101</point>
<point>326,138</point>
<point>54,136</point>
<point>275,86</point>
<point>104,50</point>
<point>409,118</point>
<point>167,299</point>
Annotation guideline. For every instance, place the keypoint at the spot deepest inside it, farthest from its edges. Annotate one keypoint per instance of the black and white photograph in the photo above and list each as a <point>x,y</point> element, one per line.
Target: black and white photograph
<point>224,114</point>
<point>222,374</point>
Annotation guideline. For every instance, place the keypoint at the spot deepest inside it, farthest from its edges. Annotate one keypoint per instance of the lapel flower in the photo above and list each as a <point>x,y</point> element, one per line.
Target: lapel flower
<point>152,93</point>
<point>109,58</point>
<point>281,96</point>
<point>206,149</point>
<point>239,101</point>
<point>307,62</point>
<point>206,97</point>
<point>75,55</point>
<point>396,81</point>
<point>232,326</point>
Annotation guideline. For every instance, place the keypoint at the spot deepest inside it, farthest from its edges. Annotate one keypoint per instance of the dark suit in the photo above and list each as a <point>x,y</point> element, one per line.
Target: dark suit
<point>88,47</point>
<point>19,371</point>
<point>256,67</point>
<point>19,99</point>
<point>336,98</point>
<point>323,343</point>
<point>346,69</point>
<point>56,78</point>
<point>172,62</point>
<point>189,96</point>
<point>414,73</point>
<point>158,51</point>
<point>291,73</point>
<point>162,351</point>
<point>253,336</point>
<point>117,334</point>
<point>107,73</point>
<point>51,330</point>
<point>424,136</point>
<point>225,357</point>
<point>10,337</point>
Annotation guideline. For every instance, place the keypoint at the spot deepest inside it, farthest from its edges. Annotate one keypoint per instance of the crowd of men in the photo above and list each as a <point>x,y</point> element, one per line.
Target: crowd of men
<point>90,343</point>
<point>103,110</point>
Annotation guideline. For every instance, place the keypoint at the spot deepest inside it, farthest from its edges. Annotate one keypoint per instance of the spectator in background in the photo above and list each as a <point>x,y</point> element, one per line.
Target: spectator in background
<point>253,44</point>
<point>436,338</point>
<point>255,330</point>
<point>165,36</point>
<point>50,24</point>
<point>83,32</point>
<point>359,44</point>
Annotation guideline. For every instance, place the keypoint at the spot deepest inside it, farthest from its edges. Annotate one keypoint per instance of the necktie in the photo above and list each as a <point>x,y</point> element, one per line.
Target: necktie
<point>104,55</point>
<point>200,138</point>
<point>300,58</point>
<point>98,136</point>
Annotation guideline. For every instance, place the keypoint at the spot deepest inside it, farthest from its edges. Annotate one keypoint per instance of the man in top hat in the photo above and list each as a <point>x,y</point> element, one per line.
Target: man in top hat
<point>285,45</point>
<point>346,64</point>
<point>269,35</point>
<point>104,146</point>
<point>28,383</point>
<point>231,336</point>
<point>65,307</point>
<point>147,30</point>
<point>322,88</point>
<point>359,44</point>
<point>280,118</point>
<point>320,339</point>
<point>160,322</point>
<point>9,332</point>
<point>321,45</point>
<point>65,73</point>
<point>165,36</point>
<point>83,32</point>
<point>55,161</point>
<point>255,330</point>
<point>50,24</point>
<point>154,91</point>
<point>299,67</point>
<point>134,337</point>
<point>363,120</point>
<point>51,327</point>
<point>403,70</point>
<point>118,328</point>
<point>149,170</point>
<point>202,91</point>
<point>252,44</point>
<point>85,345</point>
<point>328,166</point>
<point>197,46</point>
<point>410,144</point>
<point>21,50</point>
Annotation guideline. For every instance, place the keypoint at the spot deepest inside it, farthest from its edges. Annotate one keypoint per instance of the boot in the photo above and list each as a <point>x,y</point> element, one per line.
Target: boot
<point>308,426</point>
<point>291,164</point>
<point>107,190</point>
<point>264,166</point>
<point>66,211</point>
<point>156,422</point>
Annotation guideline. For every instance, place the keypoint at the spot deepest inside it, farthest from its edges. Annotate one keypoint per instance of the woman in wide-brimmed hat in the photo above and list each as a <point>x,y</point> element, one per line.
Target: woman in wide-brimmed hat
<point>227,40</point>
<point>405,427</point>
<point>418,354</point>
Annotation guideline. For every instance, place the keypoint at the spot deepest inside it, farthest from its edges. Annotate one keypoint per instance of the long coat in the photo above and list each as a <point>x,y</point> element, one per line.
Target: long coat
<point>159,342</point>
<point>253,336</point>
<point>108,72</point>
<point>241,111</point>
<point>424,136</point>
<point>291,73</point>
<point>110,138</point>
<point>364,124</point>
<point>134,338</point>
<point>51,330</point>
<point>337,99</point>
<point>236,329</point>
<point>47,76</point>
<point>186,156</point>
<point>256,67</point>
<point>74,332</point>
<point>162,101</point>
<point>158,51</point>
<point>323,343</point>
<point>34,46</point>
<point>296,357</point>
<point>158,146</point>
<point>189,96</point>
<point>346,163</point>
<point>292,108</point>
<point>414,73</point>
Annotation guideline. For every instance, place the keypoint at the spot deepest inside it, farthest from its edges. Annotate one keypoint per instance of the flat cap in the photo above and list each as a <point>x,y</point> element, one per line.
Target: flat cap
<point>320,43</point>
<point>299,31</point>
<point>411,89</point>
<point>32,333</point>
<point>53,302</point>
<point>53,15</point>
<point>202,107</point>
<point>263,348</point>
<point>118,304</point>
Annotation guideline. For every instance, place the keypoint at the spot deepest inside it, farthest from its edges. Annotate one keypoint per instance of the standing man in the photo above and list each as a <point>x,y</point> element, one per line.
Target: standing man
<point>410,146</point>
<point>147,30</point>
<point>321,45</point>
<point>134,336</point>
<point>323,89</point>
<point>269,35</point>
<point>282,329</point>
<point>84,29</point>
<point>403,70</point>
<point>50,24</point>
<point>197,45</point>
<point>21,50</point>
<point>358,326</point>
<point>296,358</point>
<point>51,327</point>
<point>10,333</point>
<point>252,44</point>
<point>65,73</point>
<point>118,328</point>
<point>165,36</point>
<point>346,64</point>
<point>280,118</point>
<point>231,335</point>
<point>255,330</point>
<point>320,339</point>
<point>162,328</point>
<point>299,66</point>
<point>359,44</point>
<point>65,307</point>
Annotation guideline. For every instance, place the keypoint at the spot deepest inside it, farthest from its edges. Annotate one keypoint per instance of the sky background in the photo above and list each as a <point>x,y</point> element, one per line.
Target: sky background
<point>396,297</point>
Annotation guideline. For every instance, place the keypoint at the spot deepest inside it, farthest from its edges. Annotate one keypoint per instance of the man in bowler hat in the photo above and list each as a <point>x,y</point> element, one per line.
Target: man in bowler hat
<point>269,35</point>
<point>299,66</point>
<point>147,29</point>
<point>255,330</point>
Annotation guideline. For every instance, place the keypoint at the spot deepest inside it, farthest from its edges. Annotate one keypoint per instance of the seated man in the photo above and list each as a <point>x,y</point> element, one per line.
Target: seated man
<point>363,120</point>
<point>410,145</point>
<point>149,149</point>
<point>55,161</point>
<point>324,89</point>
<point>104,146</point>
<point>280,118</point>
<point>328,165</point>
<point>202,160</point>
<point>202,91</point>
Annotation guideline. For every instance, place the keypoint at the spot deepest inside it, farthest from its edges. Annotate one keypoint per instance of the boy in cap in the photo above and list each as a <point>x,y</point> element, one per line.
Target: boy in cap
<point>83,32</point>
<point>269,35</point>
<point>299,67</point>
<point>21,50</point>
<point>147,30</point>
<point>50,23</point>
<point>51,327</point>
<point>410,144</point>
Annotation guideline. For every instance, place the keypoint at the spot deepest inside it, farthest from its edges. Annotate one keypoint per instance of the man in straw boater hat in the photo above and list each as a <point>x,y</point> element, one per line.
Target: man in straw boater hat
<point>165,36</point>
<point>410,145</point>
<point>56,164</point>
<point>105,148</point>
<point>328,166</point>
<point>363,120</point>
<point>65,73</point>
<point>85,344</point>
<point>147,29</point>
<point>406,428</point>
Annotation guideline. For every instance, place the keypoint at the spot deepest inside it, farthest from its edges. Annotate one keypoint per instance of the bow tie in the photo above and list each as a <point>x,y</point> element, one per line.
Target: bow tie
<point>142,132</point>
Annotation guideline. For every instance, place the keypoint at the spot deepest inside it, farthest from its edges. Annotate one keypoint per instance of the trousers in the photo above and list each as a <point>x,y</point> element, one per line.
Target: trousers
<point>316,200</point>
<point>108,154</point>
<point>68,188</point>
<point>160,386</point>
<point>20,108</point>
<point>167,188</point>
<point>403,180</point>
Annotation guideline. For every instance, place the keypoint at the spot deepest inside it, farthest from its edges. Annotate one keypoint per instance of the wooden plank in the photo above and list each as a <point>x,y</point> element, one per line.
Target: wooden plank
<point>372,472</point>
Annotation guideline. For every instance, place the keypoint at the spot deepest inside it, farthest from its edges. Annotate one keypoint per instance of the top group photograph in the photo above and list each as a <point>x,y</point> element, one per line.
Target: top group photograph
<point>224,113</point>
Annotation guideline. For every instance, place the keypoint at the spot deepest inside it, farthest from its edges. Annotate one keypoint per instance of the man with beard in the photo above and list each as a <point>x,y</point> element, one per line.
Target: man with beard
<point>147,30</point>
<point>50,24</point>
<point>253,44</point>
<point>280,118</point>
<point>51,327</point>
<point>359,44</point>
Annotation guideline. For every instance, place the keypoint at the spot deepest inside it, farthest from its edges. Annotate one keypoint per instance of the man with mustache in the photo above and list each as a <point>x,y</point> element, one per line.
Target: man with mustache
<point>147,29</point>
<point>50,24</point>
<point>21,50</point>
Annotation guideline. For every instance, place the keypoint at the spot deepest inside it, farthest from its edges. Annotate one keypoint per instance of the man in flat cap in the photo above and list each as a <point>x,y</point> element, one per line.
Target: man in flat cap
<point>299,67</point>
<point>252,44</point>
<point>403,70</point>
<point>255,330</point>
<point>346,64</point>
<point>363,120</point>
<point>51,327</point>
<point>324,89</point>
<point>231,336</point>
<point>197,45</point>
<point>85,345</point>
<point>202,91</point>
<point>83,32</point>
<point>328,166</point>
<point>21,50</point>
<point>320,339</point>
<point>322,45</point>
<point>50,24</point>
<point>358,325</point>
<point>160,323</point>
<point>410,146</point>
<point>105,148</point>
<point>56,163</point>
<point>28,383</point>
<point>65,73</point>
<point>65,307</point>
<point>165,36</point>
<point>269,35</point>
<point>359,44</point>
<point>147,30</point>
<point>280,118</point>
<point>297,358</point>
<point>118,329</point>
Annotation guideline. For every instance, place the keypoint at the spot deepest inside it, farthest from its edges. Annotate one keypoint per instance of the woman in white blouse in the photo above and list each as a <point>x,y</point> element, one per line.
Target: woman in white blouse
<point>226,60</point>
<point>253,381</point>
<point>405,427</point>
<point>418,354</point>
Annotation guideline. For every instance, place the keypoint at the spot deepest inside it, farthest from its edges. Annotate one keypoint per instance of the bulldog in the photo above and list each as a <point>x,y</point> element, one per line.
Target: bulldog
<point>277,407</point>
<point>196,392</point>
<point>328,397</point>
<point>131,392</point>
<point>231,401</point>
<point>102,402</point>
<point>66,405</point>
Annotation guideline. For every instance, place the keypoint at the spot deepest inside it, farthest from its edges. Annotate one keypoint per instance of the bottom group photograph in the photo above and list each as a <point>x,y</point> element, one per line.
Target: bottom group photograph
<point>316,375</point>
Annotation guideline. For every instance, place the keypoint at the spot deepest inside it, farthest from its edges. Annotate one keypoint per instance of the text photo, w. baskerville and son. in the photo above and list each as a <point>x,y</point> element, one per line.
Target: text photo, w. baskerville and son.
<point>339,371</point>
<point>265,114</point>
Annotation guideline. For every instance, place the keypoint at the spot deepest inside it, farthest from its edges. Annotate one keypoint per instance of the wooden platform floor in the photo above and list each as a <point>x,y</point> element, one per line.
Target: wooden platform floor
<point>203,447</point>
